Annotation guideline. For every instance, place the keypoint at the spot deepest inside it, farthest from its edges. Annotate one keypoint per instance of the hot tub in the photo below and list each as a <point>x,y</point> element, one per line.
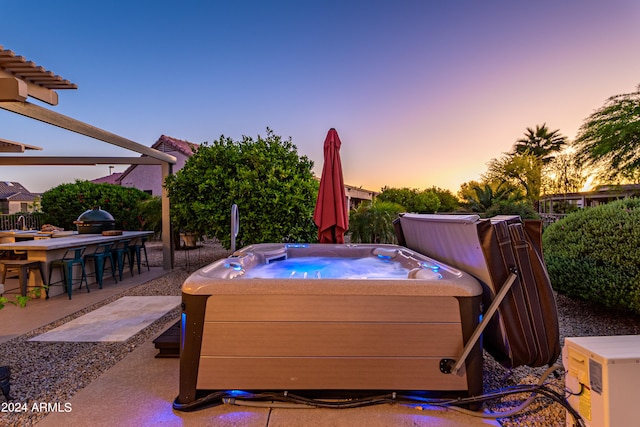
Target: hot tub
<point>303,317</point>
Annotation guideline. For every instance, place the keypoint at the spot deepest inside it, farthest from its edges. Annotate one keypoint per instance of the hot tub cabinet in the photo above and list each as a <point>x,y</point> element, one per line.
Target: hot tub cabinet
<point>312,333</point>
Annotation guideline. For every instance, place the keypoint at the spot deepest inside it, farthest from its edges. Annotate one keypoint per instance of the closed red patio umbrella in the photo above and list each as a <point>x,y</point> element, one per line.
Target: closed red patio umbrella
<point>331,214</point>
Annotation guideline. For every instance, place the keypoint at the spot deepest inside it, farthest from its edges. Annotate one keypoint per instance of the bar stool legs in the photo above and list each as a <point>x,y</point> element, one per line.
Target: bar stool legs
<point>121,251</point>
<point>23,267</point>
<point>136,250</point>
<point>100,256</point>
<point>71,258</point>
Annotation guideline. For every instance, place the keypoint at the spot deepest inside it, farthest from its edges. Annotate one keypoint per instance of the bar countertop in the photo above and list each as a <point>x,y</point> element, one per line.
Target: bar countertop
<point>70,241</point>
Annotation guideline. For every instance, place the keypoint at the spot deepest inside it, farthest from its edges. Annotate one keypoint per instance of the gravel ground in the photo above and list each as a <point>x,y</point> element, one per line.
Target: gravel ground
<point>65,368</point>
<point>576,318</point>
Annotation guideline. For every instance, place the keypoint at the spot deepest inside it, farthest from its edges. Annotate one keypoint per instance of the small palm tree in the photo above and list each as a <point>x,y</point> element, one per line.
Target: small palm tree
<point>485,196</point>
<point>541,143</point>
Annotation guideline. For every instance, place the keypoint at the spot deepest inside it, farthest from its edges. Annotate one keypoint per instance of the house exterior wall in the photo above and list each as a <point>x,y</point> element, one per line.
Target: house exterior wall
<point>14,198</point>
<point>9,207</point>
<point>148,178</point>
<point>15,207</point>
<point>356,195</point>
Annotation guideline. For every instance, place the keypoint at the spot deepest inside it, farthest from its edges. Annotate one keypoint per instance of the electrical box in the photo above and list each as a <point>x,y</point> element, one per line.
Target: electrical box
<point>607,371</point>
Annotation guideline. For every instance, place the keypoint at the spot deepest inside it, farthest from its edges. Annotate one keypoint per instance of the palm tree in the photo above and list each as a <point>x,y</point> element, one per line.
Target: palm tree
<point>540,142</point>
<point>483,197</point>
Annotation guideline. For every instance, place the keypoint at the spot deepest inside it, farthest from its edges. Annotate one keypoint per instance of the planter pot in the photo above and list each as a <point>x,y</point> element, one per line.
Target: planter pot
<point>190,239</point>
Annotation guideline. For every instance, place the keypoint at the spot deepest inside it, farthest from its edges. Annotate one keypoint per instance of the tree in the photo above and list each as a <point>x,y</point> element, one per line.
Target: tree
<point>563,175</point>
<point>448,201</point>
<point>373,222</point>
<point>480,198</point>
<point>411,199</point>
<point>522,170</point>
<point>272,185</point>
<point>609,139</point>
<point>541,143</point>
<point>66,202</point>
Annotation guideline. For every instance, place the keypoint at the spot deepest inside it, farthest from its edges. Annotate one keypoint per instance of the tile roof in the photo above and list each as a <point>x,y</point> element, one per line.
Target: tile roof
<point>167,144</point>
<point>15,191</point>
<point>109,179</point>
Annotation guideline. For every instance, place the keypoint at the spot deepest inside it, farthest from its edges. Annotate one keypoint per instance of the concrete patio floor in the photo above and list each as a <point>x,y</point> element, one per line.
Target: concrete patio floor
<point>139,390</point>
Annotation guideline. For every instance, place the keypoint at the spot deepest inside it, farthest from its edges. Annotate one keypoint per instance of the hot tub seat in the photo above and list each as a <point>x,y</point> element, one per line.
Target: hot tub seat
<point>328,335</point>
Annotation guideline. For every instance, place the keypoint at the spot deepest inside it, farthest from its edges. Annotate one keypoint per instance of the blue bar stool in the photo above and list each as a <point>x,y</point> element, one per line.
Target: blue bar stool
<point>135,252</point>
<point>101,254</point>
<point>72,257</point>
<point>121,251</point>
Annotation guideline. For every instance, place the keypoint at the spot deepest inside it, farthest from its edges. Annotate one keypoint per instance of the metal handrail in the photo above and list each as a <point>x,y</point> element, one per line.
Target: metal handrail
<point>235,226</point>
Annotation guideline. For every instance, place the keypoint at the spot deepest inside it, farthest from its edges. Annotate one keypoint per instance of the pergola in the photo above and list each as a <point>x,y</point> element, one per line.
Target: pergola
<point>20,80</point>
<point>7,146</point>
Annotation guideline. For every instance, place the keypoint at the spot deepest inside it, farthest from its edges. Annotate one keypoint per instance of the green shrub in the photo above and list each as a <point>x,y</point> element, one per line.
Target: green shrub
<point>373,222</point>
<point>272,185</point>
<point>66,202</point>
<point>151,214</point>
<point>448,201</point>
<point>412,199</point>
<point>505,207</point>
<point>593,254</point>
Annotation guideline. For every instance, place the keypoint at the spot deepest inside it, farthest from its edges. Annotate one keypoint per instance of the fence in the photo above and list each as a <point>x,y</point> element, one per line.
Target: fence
<point>30,221</point>
<point>548,219</point>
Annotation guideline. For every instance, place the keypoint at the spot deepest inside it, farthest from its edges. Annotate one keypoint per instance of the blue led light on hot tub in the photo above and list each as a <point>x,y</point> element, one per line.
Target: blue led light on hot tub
<point>235,265</point>
<point>237,393</point>
<point>296,245</point>
<point>385,258</point>
<point>433,267</point>
<point>183,325</point>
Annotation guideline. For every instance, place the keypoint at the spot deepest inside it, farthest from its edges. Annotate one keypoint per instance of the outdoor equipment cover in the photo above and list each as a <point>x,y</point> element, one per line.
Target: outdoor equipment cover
<point>524,330</point>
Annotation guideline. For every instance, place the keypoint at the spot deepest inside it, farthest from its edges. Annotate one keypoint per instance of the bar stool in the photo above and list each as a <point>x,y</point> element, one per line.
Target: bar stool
<point>100,256</point>
<point>71,258</point>
<point>121,251</point>
<point>23,267</point>
<point>135,251</point>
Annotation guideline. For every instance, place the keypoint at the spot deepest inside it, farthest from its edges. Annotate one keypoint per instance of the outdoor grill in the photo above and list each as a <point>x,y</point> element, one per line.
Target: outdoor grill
<point>95,221</point>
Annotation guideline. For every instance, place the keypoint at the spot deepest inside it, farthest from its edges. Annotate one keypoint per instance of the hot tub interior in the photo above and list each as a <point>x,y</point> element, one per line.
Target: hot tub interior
<point>304,318</point>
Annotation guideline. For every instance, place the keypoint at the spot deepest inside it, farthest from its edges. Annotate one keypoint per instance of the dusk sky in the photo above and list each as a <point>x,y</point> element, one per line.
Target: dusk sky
<point>422,93</point>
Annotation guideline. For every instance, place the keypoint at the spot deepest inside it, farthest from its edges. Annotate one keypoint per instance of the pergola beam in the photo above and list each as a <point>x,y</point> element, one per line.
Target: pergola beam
<point>76,161</point>
<point>60,120</point>
<point>26,89</point>
<point>7,146</point>
<point>20,78</point>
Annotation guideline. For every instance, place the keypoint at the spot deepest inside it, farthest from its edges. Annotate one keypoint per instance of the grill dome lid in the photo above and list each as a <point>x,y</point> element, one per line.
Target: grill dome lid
<point>95,214</point>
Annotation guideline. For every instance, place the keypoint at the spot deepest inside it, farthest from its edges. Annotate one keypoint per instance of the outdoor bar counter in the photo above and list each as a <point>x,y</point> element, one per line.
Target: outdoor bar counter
<point>48,250</point>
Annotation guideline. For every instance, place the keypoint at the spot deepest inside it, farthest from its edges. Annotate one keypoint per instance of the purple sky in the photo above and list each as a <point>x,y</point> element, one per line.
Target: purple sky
<point>422,93</point>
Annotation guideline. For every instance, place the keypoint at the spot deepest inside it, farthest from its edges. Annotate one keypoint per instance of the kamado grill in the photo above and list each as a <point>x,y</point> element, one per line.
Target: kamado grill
<point>95,221</point>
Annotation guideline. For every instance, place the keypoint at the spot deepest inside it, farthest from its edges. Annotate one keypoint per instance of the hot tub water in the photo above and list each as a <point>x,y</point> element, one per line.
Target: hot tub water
<point>329,268</point>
